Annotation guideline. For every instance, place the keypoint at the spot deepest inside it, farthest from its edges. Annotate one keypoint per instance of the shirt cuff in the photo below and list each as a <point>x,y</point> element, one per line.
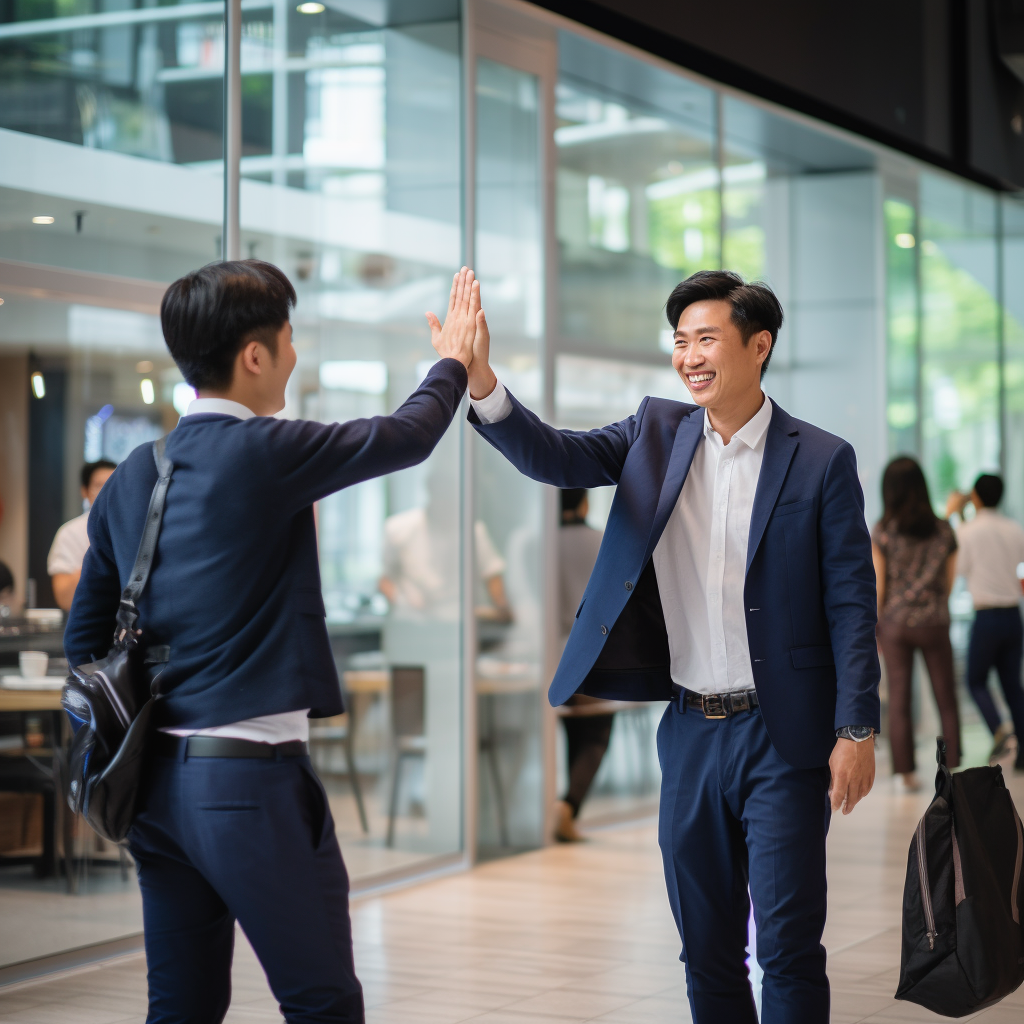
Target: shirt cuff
<point>495,407</point>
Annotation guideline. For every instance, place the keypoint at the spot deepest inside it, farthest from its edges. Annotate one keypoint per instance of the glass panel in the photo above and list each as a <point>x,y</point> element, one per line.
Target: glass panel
<point>1013,369</point>
<point>118,115</point>
<point>638,201</point>
<point>507,536</point>
<point>804,213</point>
<point>902,309</point>
<point>331,194</point>
<point>960,334</point>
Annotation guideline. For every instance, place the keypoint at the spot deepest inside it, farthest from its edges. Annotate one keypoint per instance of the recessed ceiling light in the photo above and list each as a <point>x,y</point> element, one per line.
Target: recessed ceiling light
<point>310,8</point>
<point>148,391</point>
<point>42,220</point>
<point>144,366</point>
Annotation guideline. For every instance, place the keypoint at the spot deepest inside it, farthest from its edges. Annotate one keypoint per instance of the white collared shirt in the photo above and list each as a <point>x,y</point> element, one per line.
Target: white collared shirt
<point>701,558</point>
<point>282,728</point>
<point>991,547</point>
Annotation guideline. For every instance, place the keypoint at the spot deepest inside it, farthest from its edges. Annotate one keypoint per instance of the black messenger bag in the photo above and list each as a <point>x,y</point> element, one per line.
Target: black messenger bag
<point>963,944</point>
<point>110,702</point>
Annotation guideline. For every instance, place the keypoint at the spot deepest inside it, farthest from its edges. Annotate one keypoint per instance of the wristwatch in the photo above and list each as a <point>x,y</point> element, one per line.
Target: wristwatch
<point>857,733</point>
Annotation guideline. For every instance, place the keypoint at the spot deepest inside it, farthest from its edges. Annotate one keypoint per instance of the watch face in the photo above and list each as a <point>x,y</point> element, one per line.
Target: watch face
<point>859,732</point>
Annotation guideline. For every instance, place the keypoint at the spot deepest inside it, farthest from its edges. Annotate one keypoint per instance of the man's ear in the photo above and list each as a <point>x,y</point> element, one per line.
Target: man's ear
<point>251,357</point>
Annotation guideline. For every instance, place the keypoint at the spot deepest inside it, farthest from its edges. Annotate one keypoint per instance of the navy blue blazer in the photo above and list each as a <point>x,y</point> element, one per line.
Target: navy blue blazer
<point>810,584</point>
<point>235,584</point>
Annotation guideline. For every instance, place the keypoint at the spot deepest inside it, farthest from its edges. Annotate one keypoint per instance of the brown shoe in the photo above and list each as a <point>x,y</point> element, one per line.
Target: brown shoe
<point>565,824</point>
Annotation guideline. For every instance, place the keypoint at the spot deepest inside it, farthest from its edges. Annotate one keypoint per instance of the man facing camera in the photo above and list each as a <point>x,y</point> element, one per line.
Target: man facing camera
<point>735,581</point>
<point>232,823</point>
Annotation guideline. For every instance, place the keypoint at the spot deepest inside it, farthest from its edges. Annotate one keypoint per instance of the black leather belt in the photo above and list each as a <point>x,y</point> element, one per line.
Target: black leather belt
<point>719,705</point>
<point>224,746</point>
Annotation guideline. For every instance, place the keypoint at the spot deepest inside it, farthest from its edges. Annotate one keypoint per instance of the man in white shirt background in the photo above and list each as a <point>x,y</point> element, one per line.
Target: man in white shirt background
<point>64,562</point>
<point>991,548</point>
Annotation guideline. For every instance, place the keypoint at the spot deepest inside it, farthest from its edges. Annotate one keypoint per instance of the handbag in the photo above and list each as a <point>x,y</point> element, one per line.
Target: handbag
<point>963,944</point>
<point>110,702</point>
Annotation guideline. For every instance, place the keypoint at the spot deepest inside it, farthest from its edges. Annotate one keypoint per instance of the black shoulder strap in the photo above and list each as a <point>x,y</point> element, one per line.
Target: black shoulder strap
<point>127,612</point>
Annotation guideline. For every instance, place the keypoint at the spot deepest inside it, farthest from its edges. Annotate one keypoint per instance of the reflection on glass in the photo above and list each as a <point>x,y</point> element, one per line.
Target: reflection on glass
<point>508,668</point>
<point>1013,348</point>
<point>637,193</point>
<point>960,372</point>
<point>901,303</point>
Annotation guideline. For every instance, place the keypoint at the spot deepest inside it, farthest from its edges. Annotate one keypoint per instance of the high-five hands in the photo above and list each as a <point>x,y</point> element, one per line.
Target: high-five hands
<point>456,338</point>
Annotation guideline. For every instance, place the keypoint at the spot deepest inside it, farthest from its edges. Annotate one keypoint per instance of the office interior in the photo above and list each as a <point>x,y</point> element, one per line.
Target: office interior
<point>383,146</point>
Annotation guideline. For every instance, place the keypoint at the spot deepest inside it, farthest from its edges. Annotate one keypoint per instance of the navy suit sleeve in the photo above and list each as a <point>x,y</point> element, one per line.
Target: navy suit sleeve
<point>317,459</point>
<point>848,585</point>
<point>563,458</point>
<point>90,628</point>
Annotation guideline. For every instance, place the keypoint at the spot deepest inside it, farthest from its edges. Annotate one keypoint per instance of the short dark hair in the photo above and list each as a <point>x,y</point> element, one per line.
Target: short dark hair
<point>572,498</point>
<point>989,488</point>
<point>90,467</point>
<point>208,316</point>
<point>754,306</point>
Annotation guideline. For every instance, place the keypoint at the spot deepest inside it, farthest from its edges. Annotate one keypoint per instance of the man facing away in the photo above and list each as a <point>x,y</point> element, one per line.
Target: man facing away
<point>232,822</point>
<point>735,581</point>
<point>991,547</point>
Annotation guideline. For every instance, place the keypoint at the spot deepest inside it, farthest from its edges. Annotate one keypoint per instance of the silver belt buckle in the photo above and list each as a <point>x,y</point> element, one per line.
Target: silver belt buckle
<point>713,705</point>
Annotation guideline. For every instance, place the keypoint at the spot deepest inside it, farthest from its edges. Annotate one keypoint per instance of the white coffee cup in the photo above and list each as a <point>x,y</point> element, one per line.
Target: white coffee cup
<point>33,663</point>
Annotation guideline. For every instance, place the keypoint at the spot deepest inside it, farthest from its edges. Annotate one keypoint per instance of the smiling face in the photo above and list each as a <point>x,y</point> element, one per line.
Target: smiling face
<point>719,369</point>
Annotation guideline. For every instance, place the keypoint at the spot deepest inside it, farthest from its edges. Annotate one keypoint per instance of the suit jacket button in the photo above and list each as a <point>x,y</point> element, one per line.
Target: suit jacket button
<point>629,586</point>
<point>604,630</point>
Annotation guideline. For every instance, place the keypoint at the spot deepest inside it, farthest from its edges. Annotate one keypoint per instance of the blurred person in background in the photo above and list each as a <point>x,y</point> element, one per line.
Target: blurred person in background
<point>64,562</point>
<point>588,729</point>
<point>914,552</point>
<point>991,549</point>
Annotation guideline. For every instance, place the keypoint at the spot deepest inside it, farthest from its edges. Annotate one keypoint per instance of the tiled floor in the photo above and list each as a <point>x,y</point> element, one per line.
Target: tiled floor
<point>567,934</point>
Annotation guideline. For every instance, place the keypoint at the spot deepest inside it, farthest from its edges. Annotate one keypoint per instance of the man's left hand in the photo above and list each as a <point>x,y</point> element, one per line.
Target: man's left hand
<point>853,773</point>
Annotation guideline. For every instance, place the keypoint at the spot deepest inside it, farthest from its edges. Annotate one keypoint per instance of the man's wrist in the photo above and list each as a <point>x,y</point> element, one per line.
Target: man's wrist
<point>482,386</point>
<point>857,733</point>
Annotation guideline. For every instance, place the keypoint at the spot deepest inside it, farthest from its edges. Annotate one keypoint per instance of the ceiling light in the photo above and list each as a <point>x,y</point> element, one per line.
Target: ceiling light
<point>905,240</point>
<point>42,220</point>
<point>310,8</point>
<point>38,385</point>
<point>144,366</point>
<point>181,396</point>
<point>148,394</point>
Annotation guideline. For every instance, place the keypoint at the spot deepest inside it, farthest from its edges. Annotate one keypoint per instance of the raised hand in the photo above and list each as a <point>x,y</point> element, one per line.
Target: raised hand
<point>481,377</point>
<point>455,338</point>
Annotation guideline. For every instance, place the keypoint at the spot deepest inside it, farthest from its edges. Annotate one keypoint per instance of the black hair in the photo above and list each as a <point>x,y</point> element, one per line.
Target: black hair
<point>989,488</point>
<point>906,503</point>
<point>208,316</point>
<point>6,577</point>
<point>572,498</point>
<point>90,467</point>
<point>754,306</point>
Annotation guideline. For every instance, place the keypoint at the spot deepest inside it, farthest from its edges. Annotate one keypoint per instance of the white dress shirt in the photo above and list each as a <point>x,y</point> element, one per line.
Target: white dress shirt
<point>991,547</point>
<point>282,728</point>
<point>70,544</point>
<point>701,558</point>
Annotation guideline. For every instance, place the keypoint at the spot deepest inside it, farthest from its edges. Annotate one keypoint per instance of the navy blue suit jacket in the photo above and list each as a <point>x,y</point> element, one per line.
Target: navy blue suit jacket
<point>810,585</point>
<point>235,584</point>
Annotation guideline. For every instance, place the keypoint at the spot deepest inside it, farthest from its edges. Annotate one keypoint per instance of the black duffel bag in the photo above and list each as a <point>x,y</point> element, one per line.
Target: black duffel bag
<point>963,944</point>
<point>110,701</point>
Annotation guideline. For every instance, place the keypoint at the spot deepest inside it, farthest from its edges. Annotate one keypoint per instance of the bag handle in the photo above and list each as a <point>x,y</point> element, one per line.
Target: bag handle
<point>127,611</point>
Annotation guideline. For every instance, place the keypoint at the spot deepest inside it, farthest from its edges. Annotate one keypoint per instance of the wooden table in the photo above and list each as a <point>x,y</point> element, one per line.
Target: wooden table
<point>29,700</point>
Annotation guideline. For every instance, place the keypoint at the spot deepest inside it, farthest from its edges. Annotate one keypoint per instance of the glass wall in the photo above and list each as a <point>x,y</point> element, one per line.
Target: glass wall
<point>601,179</point>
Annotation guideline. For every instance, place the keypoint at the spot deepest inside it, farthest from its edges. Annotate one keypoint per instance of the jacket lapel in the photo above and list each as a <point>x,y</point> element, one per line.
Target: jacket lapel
<point>688,436</point>
<point>780,445</point>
